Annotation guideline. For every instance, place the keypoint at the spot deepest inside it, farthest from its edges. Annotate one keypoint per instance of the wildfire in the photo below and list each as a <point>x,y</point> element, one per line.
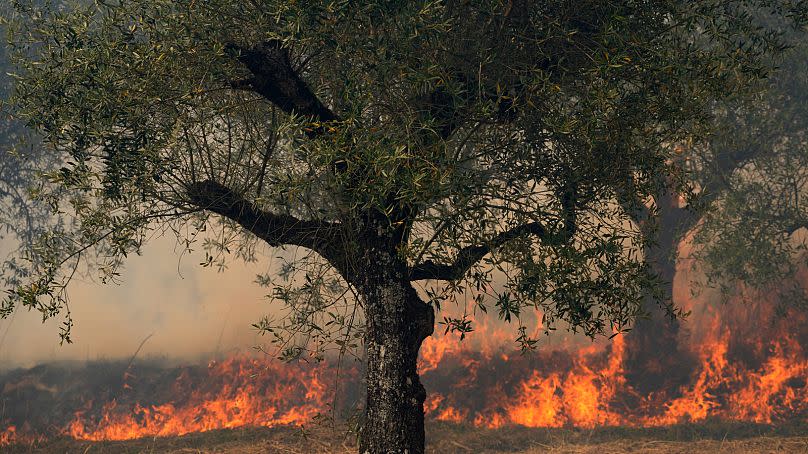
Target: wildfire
<point>11,435</point>
<point>485,383</point>
<point>8,436</point>
<point>238,392</point>
<point>588,387</point>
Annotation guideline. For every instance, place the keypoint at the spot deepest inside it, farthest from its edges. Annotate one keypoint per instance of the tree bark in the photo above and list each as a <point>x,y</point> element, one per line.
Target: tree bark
<point>397,321</point>
<point>655,358</point>
<point>652,348</point>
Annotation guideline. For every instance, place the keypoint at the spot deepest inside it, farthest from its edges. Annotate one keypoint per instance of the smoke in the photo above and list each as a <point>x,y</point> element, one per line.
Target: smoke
<point>191,311</point>
<point>194,312</point>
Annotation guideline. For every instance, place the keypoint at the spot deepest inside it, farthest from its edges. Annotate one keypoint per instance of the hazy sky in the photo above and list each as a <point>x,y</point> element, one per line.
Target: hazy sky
<point>188,309</point>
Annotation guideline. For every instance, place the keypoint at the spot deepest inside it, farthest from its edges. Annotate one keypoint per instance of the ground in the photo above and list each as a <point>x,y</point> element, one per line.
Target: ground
<point>714,437</point>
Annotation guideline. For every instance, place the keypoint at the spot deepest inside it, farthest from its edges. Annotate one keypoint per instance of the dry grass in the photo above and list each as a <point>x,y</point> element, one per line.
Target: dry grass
<point>756,445</point>
<point>451,438</point>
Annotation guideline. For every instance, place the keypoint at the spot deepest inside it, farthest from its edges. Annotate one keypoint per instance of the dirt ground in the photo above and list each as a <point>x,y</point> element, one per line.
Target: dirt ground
<point>450,438</point>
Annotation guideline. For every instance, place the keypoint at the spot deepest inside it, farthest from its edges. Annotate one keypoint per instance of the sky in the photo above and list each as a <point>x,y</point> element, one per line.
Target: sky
<point>187,309</point>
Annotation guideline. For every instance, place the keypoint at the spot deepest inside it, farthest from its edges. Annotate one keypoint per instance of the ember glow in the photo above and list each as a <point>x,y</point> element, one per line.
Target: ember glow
<point>741,367</point>
<point>8,436</point>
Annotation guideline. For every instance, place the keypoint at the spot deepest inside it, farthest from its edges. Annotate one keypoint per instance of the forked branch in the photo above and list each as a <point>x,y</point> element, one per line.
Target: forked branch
<point>274,78</point>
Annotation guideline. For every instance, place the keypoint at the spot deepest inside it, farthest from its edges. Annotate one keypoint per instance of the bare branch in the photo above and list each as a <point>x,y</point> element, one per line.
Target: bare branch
<point>470,255</point>
<point>275,229</point>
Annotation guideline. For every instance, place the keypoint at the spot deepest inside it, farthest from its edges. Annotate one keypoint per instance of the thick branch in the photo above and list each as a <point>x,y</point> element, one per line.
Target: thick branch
<point>669,217</point>
<point>275,229</point>
<point>275,79</point>
<point>470,255</point>
<point>723,166</point>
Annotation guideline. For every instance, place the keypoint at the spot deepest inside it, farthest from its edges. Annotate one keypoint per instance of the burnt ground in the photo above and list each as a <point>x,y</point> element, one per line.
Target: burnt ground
<point>709,437</point>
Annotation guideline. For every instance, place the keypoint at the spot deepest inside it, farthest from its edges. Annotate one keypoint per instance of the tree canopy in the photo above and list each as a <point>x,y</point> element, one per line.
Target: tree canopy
<point>22,217</point>
<point>754,231</point>
<point>435,142</point>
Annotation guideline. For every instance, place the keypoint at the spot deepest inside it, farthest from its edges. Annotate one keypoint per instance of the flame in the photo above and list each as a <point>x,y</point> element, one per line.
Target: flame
<point>248,392</point>
<point>770,385</point>
<point>583,394</point>
<point>8,436</point>
<point>579,397</point>
<point>741,370</point>
<point>11,435</point>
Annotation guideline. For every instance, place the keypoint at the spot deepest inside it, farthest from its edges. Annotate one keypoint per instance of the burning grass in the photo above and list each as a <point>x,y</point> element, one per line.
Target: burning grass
<point>476,386</point>
<point>708,437</point>
<point>746,376</point>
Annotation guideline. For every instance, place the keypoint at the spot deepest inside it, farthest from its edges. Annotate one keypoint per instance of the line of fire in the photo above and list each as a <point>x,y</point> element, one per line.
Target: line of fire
<point>439,225</point>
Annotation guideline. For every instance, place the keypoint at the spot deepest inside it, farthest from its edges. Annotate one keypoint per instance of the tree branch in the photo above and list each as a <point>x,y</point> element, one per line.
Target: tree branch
<point>723,166</point>
<point>275,229</point>
<point>668,217</point>
<point>275,79</point>
<point>470,255</point>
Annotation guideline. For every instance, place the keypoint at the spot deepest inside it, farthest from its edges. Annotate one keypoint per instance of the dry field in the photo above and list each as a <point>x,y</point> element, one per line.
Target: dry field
<point>450,438</point>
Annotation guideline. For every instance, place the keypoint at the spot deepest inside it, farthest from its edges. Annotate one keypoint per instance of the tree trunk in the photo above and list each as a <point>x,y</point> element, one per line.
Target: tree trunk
<point>652,348</point>
<point>397,321</point>
<point>655,359</point>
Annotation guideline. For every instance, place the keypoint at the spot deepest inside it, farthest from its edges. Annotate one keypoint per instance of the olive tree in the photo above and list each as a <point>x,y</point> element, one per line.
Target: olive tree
<point>754,231</point>
<point>411,150</point>
<point>745,218</point>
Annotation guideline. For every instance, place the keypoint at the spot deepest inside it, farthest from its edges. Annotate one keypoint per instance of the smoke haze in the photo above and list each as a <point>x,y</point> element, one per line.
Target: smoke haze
<point>189,309</point>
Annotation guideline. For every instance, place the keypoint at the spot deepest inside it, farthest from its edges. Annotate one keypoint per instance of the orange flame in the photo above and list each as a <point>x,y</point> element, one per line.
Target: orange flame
<point>8,436</point>
<point>737,376</point>
<point>11,435</point>
<point>250,393</point>
<point>585,395</point>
